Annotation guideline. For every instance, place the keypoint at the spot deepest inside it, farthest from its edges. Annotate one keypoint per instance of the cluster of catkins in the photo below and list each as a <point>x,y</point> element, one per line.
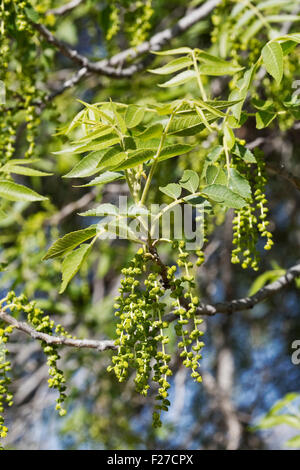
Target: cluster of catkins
<point>5,367</point>
<point>142,330</point>
<point>23,69</point>
<point>135,15</point>
<point>41,323</point>
<point>250,222</point>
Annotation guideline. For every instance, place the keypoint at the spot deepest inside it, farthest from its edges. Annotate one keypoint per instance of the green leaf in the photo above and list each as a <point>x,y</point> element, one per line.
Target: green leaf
<point>253,29</point>
<point>16,192</point>
<point>174,151</point>
<point>218,104</point>
<point>137,210</point>
<point>3,215</point>
<point>32,14</point>
<point>173,66</point>
<point>290,37</point>
<point>294,442</point>
<point>272,56</point>
<point>21,170</point>
<point>129,143</point>
<point>236,124</point>
<point>270,421</point>
<point>215,174</point>
<point>216,66</point>
<point>282,18</point>
<point>179,79</point>
<point>244,153</point>
<point>163,109</point>
<point>20,161</point>
<point>172,190</point>
<point>112,158</point>
<point>287,47</point>
<point>101,210</point>
<point>222,194</point>
<point>188,125</point>
<point>155,130</point>
<point>190,181</point>
<point>215,153</point>
<point>101,143</point>
<point>94,113</point>
<point>264,119</point>
<point>119,119</point>
<point>189,131</point>
<point>87,166</point>
<point>217,71</point>
<point>136,158</point>
<point>69,242</point>
<point>239,184</point>
<point>241,92</point>
<point>134,115</point>
<point>180,50</point>
<point>289,397</point>
<point>261,281</point>
<point>121,228</point>
<point>77,121</point>
<point>105,178</point>
<point>72,263</point>
<point>4,265</point>
<point>196,200</point>
<point>229,137</point>
<point>98,132</point>
<point>211,109</point>
<point>271,4</point>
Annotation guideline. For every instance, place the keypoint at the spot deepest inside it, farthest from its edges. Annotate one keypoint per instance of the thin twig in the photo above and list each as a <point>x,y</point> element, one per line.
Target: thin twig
<point>56,340</point>
<point>64,9</point>
<point>113,67</point>
<point>246,303</point>
<point>72,207</point>
<point>229,307</point>
<point>281,171</point>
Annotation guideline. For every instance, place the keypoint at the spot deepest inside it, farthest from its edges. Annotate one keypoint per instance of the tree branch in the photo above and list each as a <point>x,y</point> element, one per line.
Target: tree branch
<point>157,42</point>
<point>72,207</point>
<point>57,340</point>
<point>246,303</point>
<point>69,83</point>
<point>113,67</point>
<point>229,307</point>
<point>64,9</point>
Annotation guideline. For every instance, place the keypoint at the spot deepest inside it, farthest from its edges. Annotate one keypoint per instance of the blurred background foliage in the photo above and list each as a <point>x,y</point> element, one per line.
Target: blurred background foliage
<point>247,361</point>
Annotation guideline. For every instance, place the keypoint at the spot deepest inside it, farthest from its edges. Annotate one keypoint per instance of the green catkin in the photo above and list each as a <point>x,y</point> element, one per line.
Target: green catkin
<point>137,30</point>
<point>245,237</point>
<point>250,221</point>
<point>15,23</point>
<point>161,367</point>
<point>261,201</point>
<point>192,357</point>
<point>141,338</point>
<point>201,220</point>
<point>42,323</point>
<point>6,397</point>
<point>131,310</point>
<point>135,15</point>
<point>114,21</point>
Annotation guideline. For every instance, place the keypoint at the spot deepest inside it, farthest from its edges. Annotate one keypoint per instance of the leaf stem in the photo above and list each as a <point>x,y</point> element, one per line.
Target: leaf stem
<point>200,84</point>
<point>155,158</point>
